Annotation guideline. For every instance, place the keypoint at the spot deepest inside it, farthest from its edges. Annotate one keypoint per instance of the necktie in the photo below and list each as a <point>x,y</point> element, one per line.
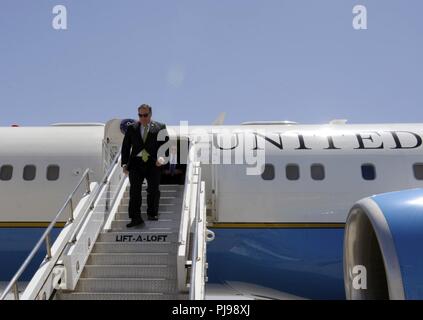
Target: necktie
<point>144,136</point>
<point>144,153</point>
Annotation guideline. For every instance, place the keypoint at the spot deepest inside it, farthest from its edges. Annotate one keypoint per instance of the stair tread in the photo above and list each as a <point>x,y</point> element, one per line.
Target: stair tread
<point>126,279</point>
<point>116,293</point>
<point>144,205</point>
<point>131,266</point>
<point>122,295</point>
<point>135,243</point>
<point>131,254</point>
<point>161,197</point>
<point>148,221</point>
<point>171,212</point>
<point>126,232</point>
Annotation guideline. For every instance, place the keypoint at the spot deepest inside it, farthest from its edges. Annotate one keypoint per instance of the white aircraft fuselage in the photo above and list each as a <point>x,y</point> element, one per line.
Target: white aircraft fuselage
<point>285,226</point>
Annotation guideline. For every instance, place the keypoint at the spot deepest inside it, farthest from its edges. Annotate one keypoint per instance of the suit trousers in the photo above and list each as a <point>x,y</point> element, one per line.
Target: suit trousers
<point>139,171</point>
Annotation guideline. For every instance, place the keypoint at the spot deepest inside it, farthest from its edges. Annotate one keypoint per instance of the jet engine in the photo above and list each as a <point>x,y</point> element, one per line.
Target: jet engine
<point>383,247</point>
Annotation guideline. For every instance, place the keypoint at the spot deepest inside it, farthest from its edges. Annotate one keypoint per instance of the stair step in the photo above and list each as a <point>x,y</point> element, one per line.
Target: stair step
<point>163,215</point>
<point>129,271</point>
<point>161,223</point>
<point>119,296</point>
<point>165,210</point>
<point>163,191</point>
<point>162,206</point>
<point>128,285</point>
<point>147,228</point>
<point>134,247</point>
<point>131,258</point>
<point>163,187</point>
<point>130,236</point>
<point>163,200</point>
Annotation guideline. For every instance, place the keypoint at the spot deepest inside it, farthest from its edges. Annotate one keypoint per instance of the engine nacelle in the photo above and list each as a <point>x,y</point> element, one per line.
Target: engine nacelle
<point>384,240</point>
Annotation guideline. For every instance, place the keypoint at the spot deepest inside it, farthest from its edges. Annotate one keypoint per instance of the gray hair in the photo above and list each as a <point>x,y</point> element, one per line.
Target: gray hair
<point>145,106</point>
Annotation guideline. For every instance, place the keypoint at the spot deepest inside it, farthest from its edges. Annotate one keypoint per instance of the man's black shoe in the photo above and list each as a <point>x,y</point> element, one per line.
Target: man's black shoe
<point>134,223</point>
<point>153,218</point>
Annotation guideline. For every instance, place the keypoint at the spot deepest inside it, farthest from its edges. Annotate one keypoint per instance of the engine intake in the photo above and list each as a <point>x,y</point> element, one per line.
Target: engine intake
<point>382,247</point>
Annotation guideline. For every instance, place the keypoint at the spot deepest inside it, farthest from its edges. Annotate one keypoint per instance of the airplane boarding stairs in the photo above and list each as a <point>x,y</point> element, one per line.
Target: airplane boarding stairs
<point>97,257</point>
<point>135,263</point>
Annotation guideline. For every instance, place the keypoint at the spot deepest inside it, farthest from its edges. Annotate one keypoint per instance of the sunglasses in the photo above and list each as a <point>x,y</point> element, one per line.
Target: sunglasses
<point>143,115</point>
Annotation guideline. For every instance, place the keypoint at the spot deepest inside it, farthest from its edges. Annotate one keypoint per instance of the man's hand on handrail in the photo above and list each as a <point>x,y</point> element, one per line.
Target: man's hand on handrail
<point>125,170</point>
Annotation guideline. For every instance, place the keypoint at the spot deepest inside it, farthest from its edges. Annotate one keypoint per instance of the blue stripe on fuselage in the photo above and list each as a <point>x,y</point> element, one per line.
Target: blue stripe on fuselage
<point>15,246</point>
<point>303,262</point>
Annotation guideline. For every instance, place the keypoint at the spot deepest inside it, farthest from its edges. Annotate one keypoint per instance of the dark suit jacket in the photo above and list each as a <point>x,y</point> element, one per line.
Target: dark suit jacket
<point>133,143</point>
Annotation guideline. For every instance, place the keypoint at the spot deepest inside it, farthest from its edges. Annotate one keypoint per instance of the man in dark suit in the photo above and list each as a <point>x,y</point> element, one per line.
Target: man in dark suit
<point>140,159</point>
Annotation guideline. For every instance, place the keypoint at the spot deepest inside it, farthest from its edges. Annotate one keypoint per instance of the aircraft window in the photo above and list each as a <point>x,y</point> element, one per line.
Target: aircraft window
<point>418,171</point>
<point>292,172</point>
<point>6,172</point>
<point>368,172</point>
<point>53,172</point>
<point>268,172</point>
<point>317,172</point>
<point>29,172</point>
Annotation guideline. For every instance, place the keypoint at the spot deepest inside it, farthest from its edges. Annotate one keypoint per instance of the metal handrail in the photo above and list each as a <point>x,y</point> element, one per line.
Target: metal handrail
<point>108,154</point>
<point>186,197</point>
<point>45,238</point>
<point>46,235</point>
<point>194,255</point>
<point>190,220</point>
<point>104,181</point>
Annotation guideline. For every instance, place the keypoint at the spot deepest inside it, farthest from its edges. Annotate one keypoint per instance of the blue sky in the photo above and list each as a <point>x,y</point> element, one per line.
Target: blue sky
<point>292,60</point>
